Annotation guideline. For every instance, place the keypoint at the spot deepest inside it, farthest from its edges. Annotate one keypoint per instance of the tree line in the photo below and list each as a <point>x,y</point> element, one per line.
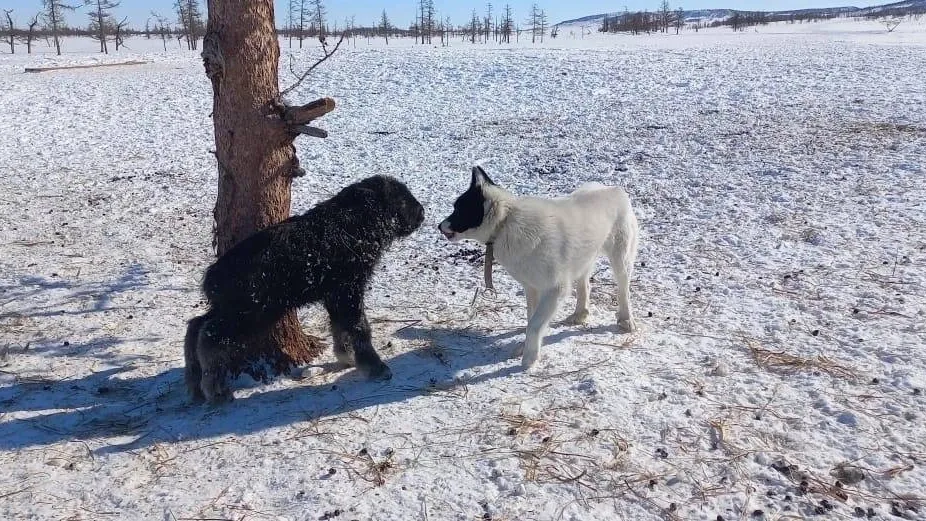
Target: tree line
<point>665,19</point>
<point>306,19</point>
<point>50,24</point>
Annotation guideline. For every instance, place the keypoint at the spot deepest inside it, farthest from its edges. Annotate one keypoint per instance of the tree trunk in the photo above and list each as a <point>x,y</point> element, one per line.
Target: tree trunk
<point>255,156</point>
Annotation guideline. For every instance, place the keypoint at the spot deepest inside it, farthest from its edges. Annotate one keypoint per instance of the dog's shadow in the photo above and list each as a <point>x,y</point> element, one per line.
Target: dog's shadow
<point>559,331</point>
<point>137,412</point>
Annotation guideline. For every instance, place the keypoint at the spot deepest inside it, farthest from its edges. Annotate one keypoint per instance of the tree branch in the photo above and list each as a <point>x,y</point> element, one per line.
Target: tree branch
<point>304,75</point>
<point>307,113</point>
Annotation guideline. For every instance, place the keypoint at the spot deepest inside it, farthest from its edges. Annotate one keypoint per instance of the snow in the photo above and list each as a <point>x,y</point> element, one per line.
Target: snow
<point>778,177</point>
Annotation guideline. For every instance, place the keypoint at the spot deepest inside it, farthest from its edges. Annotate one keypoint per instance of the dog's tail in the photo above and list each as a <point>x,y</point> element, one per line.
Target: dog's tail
<point>625,233</point>
<point>193,372</point>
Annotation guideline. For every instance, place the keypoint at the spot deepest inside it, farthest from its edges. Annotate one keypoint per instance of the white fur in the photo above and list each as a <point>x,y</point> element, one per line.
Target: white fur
<point>549,244</point>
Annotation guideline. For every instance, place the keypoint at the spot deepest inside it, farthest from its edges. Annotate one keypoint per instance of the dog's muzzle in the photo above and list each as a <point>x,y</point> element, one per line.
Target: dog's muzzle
<point>444,228</point>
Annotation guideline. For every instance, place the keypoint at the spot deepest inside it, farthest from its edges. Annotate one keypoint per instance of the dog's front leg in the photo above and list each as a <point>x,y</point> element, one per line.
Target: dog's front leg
<point>353,337</point>
<point>547,305</point>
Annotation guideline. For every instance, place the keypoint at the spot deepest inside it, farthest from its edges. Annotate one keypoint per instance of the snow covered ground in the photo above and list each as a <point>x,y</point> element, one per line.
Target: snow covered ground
<point>779,180</point>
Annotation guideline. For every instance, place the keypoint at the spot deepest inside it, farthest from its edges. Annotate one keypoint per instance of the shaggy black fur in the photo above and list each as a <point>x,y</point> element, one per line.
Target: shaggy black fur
<point>326,255</point>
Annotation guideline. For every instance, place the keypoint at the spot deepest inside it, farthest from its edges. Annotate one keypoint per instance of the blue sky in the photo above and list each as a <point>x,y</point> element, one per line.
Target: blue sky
<point>402,13</point>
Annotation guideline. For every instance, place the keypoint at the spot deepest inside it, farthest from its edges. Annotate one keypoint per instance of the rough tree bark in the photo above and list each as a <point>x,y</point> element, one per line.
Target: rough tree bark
<point>255,154</point>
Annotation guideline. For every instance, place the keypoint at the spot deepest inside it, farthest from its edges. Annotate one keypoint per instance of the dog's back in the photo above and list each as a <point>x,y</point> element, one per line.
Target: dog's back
<point>563,236</point>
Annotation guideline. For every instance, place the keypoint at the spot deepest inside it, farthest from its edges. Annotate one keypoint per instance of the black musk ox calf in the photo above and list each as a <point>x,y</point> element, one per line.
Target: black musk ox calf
<point>326,255</point>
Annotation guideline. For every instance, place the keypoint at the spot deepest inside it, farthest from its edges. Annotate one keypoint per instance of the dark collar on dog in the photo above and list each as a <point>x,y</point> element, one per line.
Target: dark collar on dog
<point>487,270</point>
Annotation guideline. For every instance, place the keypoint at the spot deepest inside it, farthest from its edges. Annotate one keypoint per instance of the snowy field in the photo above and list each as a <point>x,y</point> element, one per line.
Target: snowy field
<point>781,287</point>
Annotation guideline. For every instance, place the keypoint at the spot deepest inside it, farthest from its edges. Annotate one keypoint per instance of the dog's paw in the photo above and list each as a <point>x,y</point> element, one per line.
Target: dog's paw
<point>579,318</point>
<point>195,392</point>
<point>529,361</point>
<point>529,357</point>
<point>215,389</point>
<point>344,358</point>
<point>628,325</point>
<point>378,373</point>
<point>196,396</point>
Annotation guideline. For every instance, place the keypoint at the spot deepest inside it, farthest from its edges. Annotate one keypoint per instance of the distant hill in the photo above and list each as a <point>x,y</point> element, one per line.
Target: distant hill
<point>825,12</point>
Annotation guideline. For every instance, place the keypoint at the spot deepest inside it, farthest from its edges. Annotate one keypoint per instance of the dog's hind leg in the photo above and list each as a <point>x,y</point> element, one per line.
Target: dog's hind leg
<point>580,316</point>
<point>192,371</point>
<point>211,350</point>
<point>538,324</point>
<point>622,255</point>
<point>531,300</point>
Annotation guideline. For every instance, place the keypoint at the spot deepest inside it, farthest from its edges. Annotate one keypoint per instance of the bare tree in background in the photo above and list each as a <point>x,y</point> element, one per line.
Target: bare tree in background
<point>318,18</point>
<point>9,30</point>
<point>665,15</point>
<point>119,30</point>
<point>162,28</point>
<point>679,20</point>
<point>101,20</point>
<point>487,23</point>
<point>892,23</point>
<point>425,21</point>
<point>53,15</point>
<point>507,24</point>
<point>543,24</point>
<point>190,19</point>
<point>473,27</point>
<point>291,15</point>
<point>30,35</point>
<point>254,134</point>
<point>385,26</point>
<point>533,22</point>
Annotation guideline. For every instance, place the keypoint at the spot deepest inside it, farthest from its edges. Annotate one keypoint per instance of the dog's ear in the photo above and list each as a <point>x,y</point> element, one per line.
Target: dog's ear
<point>480,177</point>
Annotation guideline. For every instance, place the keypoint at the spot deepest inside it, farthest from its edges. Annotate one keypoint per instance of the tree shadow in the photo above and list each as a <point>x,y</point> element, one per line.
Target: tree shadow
<point>137,412</point>
<point>27,290</point>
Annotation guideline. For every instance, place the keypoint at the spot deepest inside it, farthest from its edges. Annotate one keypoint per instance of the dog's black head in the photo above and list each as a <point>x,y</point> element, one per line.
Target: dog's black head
<point>393,199</point>
<point>469,209</point>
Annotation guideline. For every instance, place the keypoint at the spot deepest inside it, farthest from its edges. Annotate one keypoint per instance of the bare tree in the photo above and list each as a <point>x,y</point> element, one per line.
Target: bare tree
<point>507,24</point>
<point>543,24</point>
<point>487,26</point>
<point>119,30</point>
<point>30,35</point>
<point>54,19</point>
<point>318,18</point>
<point>190,19</point>
<point>425,22</point>
<point>889,24</point>
<point>291,15</point>
<point>473,27</point>
<point>254,134</point>
<point>533,22</point>
<point>101,20</point>
<point>303,19</point>
<point>679,19</point>
<point>9,30</point>
<point>162,28</point>
<point>385,26</point>
<point>665,15</point>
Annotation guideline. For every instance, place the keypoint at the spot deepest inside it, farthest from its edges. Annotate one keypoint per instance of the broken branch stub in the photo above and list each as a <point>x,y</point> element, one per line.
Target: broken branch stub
<point>309,131</point>
<point>294,116</point>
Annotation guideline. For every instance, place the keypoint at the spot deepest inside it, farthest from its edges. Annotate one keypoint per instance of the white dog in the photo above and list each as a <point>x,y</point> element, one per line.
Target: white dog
<point>549,244</point>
